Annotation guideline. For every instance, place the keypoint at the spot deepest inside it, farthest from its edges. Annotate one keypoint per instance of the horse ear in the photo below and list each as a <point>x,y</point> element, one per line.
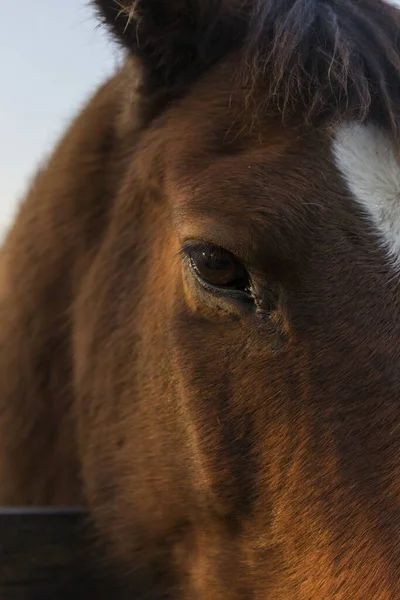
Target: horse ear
<point>174,39</point>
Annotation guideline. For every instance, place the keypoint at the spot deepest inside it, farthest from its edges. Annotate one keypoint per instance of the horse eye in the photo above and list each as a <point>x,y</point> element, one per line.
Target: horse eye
<point>218,268</point>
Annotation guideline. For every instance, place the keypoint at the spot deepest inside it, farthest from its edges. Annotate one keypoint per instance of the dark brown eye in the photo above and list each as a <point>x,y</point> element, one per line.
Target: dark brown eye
<point>217,267</point>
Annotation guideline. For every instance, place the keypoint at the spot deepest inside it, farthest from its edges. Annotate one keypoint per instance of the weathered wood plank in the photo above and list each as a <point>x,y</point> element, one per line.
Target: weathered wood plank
<point>46,554</point>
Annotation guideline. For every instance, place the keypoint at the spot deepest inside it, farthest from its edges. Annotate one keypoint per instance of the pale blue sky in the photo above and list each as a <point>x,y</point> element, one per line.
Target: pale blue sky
<point>53,56</point>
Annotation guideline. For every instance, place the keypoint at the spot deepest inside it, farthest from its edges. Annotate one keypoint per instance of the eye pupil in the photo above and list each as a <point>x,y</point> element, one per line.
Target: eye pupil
<point>218,268</point>
<point>213,261</point>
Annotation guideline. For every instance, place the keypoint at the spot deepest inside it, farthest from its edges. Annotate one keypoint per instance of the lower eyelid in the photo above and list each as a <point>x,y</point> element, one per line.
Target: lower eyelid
<point>222,292</point>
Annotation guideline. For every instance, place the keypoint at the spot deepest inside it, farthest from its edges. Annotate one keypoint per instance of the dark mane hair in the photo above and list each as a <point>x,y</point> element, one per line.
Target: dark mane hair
<point>331,59</point>
<point>321,59</point>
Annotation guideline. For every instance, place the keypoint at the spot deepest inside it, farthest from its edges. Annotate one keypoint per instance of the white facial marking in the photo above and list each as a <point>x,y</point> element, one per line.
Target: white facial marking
<point>368,163</point>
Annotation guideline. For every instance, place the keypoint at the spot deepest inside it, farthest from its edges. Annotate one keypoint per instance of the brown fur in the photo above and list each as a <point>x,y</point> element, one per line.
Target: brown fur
<point>223,452</point>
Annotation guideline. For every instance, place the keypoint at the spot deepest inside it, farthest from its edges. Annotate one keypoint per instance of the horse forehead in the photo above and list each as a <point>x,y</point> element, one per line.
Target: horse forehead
<point>369,165</point>
<point>212,148</point>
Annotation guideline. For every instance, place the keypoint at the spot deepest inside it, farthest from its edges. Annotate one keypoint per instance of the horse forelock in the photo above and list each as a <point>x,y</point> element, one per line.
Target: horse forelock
<point>329,60</point>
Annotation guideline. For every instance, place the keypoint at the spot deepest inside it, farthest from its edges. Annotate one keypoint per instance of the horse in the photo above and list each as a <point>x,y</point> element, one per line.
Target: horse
<point>200,304</point>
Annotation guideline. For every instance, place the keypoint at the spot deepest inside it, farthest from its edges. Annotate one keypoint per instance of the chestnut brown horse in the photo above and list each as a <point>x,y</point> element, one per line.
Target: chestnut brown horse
<point>200,304</point>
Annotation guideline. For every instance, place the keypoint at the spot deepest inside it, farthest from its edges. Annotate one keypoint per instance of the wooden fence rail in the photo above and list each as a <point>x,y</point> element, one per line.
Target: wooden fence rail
<point>45,554</point>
